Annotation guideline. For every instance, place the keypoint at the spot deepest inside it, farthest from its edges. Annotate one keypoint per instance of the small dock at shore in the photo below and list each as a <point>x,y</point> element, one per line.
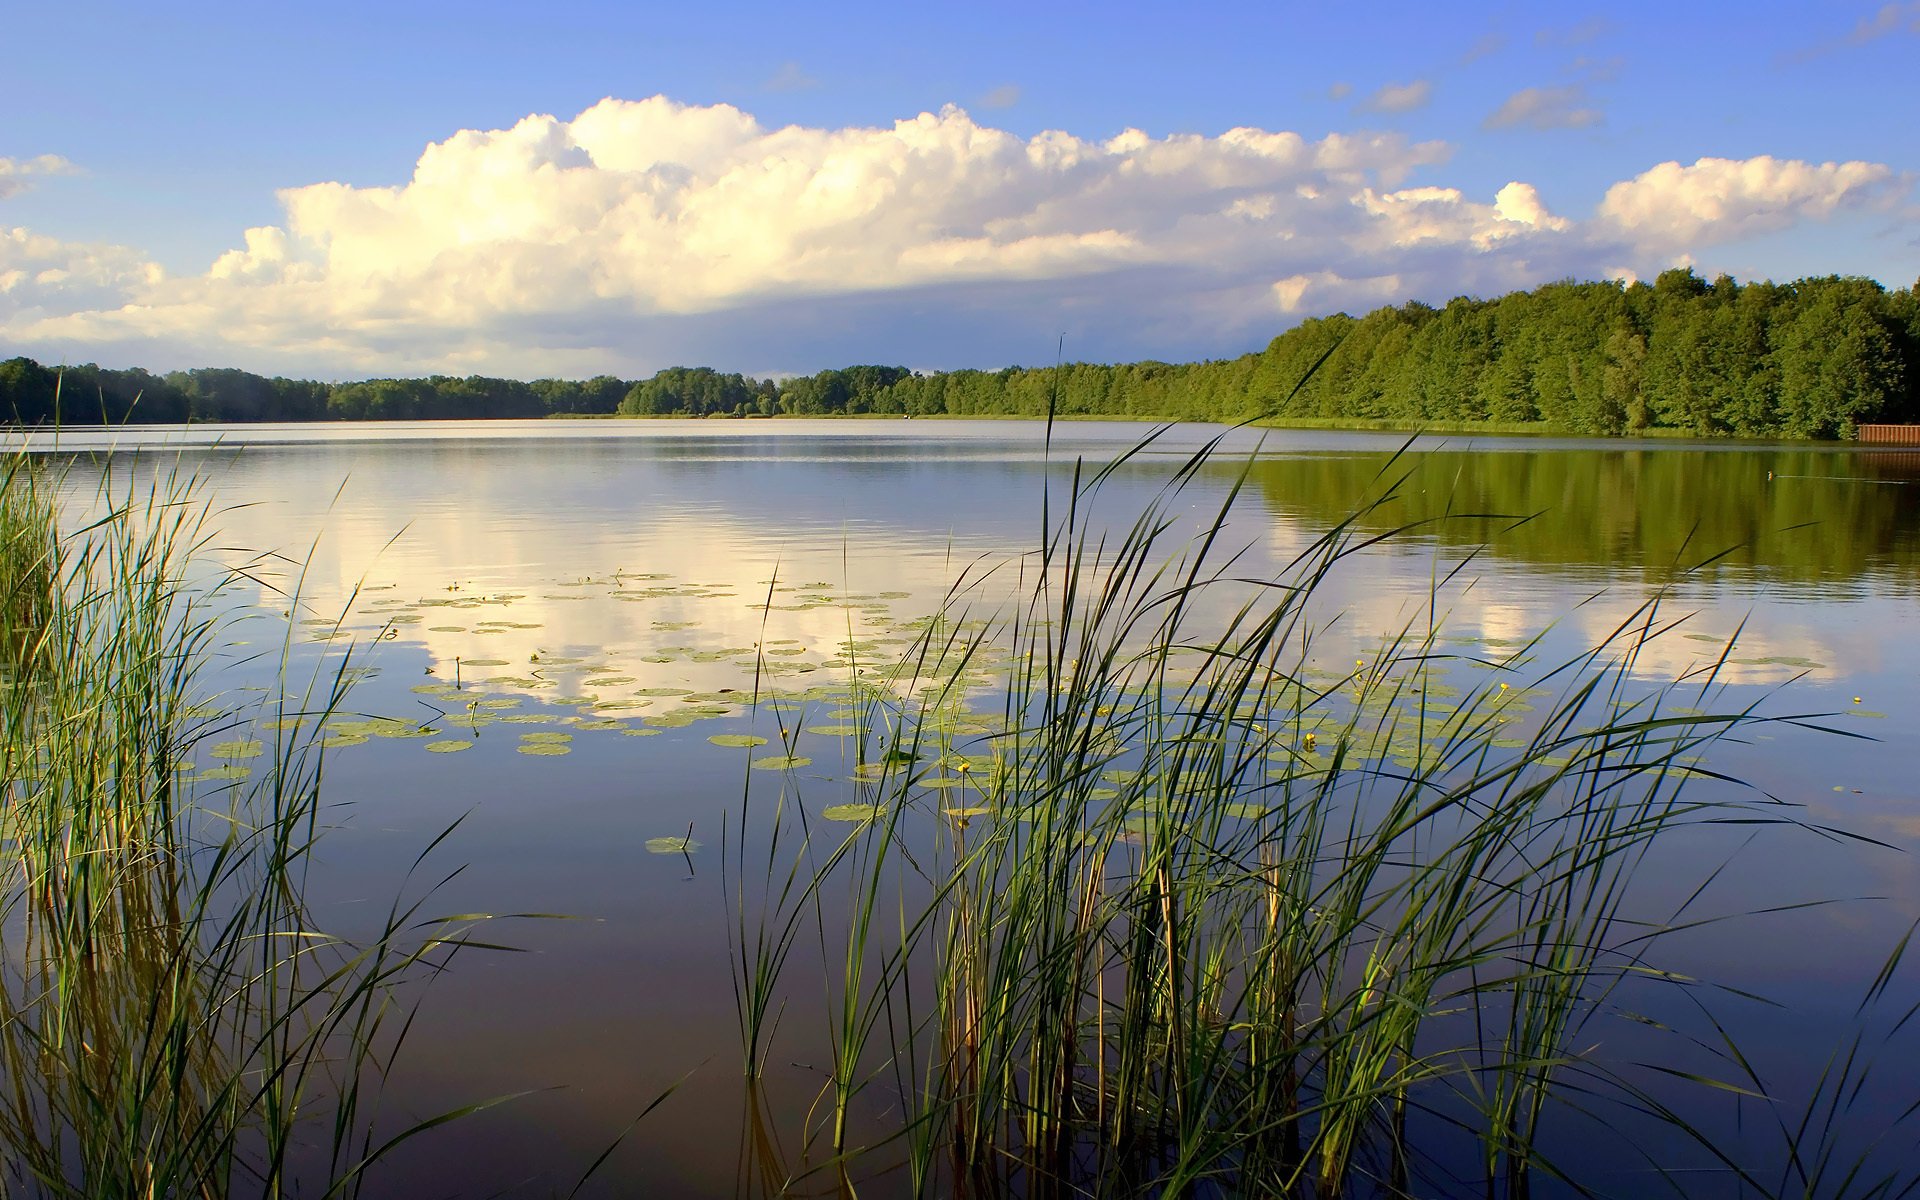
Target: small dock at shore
<point>1889,435</point>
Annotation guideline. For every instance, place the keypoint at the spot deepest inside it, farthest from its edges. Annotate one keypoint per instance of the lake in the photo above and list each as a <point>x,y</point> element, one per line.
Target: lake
<point>587,605</point>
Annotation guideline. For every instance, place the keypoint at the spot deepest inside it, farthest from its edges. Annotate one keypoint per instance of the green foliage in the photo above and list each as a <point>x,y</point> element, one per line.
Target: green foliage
<point>1192,915</point>
<point>173,1022</point>
<point>696,392</point>
<point>1810,359</point>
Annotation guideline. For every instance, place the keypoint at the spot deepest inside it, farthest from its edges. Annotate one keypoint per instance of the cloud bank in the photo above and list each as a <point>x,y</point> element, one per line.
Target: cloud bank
<point>16,174</point>
<point>644,233</point>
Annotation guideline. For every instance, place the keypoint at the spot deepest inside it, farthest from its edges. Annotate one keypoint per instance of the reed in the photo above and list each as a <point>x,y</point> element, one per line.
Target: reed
<point>172,1021</point>
<point>1169,909</point>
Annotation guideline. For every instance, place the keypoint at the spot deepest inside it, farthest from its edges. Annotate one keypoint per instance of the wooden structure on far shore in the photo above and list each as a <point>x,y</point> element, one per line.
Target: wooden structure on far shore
<point>1890,435</point>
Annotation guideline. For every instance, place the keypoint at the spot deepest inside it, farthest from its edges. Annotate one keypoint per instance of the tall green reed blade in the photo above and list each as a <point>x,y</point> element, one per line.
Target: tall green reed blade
<point>172,1021</point>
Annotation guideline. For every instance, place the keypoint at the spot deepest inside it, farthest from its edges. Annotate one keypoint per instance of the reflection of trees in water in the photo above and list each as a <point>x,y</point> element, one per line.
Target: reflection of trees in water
<point>1819,516</point>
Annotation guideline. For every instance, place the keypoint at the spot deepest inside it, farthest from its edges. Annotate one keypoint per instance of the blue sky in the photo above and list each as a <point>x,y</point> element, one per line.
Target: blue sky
<point>785,206</point>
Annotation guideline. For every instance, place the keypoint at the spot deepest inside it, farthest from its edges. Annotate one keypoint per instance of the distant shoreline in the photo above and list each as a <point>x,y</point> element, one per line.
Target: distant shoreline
<point>1540,429</point>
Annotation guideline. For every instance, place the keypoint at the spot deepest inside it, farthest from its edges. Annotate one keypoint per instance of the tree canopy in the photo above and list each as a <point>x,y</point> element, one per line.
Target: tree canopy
<point>1809,359</point>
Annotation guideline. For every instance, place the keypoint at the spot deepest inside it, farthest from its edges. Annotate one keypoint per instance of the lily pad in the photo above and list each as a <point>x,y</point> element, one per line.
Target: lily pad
<point>780,762</point>
<point>449,747</point>
<point>851,812</point>
<point>737,740</point>
<point>548,749</point>
<point>250,748</point>
<point>671,845</point>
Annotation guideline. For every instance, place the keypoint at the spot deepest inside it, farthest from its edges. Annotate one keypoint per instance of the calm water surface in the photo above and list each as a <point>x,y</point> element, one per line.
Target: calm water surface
<point>612,580</point>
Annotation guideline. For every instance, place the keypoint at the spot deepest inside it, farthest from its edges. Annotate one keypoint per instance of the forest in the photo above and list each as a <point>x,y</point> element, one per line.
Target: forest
<point>1809,359</point>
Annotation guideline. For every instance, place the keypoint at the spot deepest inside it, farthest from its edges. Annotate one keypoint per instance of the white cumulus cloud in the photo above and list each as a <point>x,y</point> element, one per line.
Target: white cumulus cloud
<point>1721,199</point>
<point>42,276</point>
<point>16,174</point>
<point>642,233</point>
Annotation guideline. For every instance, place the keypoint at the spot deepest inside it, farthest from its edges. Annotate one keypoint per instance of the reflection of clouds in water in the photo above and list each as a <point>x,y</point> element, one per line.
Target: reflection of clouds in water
<point>493,516</point>
<point>1496,622</point>
<point>1768,654</point>
<point>461,588</point>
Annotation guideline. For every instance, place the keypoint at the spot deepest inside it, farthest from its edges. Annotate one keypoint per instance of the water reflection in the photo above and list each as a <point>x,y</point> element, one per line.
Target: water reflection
<point>603,568</point>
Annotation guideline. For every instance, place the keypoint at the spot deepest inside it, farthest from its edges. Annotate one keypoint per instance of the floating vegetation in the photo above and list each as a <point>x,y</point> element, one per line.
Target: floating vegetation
<point>404,731</point>
<point>449,747</point>
<point>781,762</point>
<point>1782,660</point>
<point>672,845</point>
<point>175,1019</point>
<point>737,740</point>
<point>545,749</point>
<point>1211,929</point>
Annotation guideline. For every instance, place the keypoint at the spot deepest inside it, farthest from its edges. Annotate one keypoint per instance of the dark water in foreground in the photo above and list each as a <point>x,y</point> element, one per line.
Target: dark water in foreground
<point>610,582</point>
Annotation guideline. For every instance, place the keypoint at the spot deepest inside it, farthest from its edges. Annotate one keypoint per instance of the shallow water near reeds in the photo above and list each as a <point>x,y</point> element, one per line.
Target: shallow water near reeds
<point>560,629</point>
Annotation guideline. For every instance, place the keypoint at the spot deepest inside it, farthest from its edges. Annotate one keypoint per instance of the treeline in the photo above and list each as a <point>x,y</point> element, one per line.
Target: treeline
<point>1813,358</point>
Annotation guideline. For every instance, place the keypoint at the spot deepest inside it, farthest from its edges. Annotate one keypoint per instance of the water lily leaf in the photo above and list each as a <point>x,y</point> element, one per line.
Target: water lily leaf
<point>548,749</point>
<point>671,845</point>
<point>546,737</point>
<point>780,762</point>
<point>449,747</point>
<point>249,748</point>
<point>737,740</point>
<point>851,812</point>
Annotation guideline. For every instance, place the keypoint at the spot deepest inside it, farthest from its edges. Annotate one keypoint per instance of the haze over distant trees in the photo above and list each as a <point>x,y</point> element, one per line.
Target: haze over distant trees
<point>1812,358</point>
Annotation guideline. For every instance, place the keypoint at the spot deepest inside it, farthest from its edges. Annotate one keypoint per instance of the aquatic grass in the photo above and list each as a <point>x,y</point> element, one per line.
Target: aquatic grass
<point>172,1022</point>
<point>1207,917</point>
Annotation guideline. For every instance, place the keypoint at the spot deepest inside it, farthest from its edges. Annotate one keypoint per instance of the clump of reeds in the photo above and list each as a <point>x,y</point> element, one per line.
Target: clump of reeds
<point>29,562</point>
<point>172,1023</point>
<point>1191,915</point>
